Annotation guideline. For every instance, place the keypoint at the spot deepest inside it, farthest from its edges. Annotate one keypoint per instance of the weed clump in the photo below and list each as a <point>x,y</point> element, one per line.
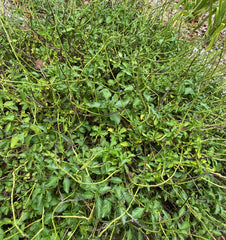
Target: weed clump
<point>111,126</point>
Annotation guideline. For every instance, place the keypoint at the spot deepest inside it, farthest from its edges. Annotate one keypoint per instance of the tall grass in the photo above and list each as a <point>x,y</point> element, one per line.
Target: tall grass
<point>214,11</point>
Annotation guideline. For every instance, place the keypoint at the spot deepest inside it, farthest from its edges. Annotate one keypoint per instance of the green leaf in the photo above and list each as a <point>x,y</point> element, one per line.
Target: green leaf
<point>116,180</point>
<point>21,137</point>
<point>1,234</point>
<point>129,88</point>
<point>121,211</point>
<point>217,210</point>
<point>42,128</point>
<point>106,93</point>
<point>136,102</point>
<point>118,192</point>
<point>108,19</point>
<point>52,181</point>
<point>122,103</point>
<point>111,82</point>
<point>104,189</point>
<point>106,208</point>
<point>189,91</point>
<point>8,127</point>
<point>115,118</point>
<point>185,225</point>
<point>9,117</point>
<point>35,128</point>
<point>182,211</point>
<point>138,212</point>
<point>87,195</point>
<point>66,184</point>
<point>5,221</point>
<point>87,186</point>
<point>9,103</point>
<point>218,233</point>
<point>98,206</point>
<point>129,235</point>
<point>14,140</point>
<point>93,105</point>
<point>127,72</point>
<point>127,197</point>
<point>125,144</point>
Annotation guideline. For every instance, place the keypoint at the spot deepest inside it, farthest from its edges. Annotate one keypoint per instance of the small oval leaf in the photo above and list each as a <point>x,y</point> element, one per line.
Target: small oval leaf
<point>66,184</point>
<point>14,140</point>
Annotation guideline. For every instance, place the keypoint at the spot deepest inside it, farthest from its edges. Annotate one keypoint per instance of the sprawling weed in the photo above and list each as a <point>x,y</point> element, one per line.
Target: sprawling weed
<point>112,126</point>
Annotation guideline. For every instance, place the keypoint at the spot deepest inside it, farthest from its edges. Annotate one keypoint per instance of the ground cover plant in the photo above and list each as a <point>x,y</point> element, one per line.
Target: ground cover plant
<point>112,126</point>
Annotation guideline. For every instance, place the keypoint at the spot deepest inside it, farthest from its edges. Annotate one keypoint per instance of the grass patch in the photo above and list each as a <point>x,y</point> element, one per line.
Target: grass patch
<point>112,126</point>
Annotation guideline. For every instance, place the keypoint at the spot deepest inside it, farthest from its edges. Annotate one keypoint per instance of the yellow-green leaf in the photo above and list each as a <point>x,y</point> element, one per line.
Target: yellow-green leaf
<point>14,140</point>
<point>125,144</point>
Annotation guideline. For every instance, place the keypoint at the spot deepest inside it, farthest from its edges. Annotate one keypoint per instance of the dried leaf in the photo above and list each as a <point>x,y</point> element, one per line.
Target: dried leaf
<point>39,64</point>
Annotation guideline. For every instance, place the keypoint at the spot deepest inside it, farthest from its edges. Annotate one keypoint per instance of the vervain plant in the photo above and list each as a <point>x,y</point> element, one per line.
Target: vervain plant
<point>111,127</point>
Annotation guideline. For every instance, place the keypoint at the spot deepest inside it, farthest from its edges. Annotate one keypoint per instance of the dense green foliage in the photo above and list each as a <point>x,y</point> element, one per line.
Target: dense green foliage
<point>119,135</point>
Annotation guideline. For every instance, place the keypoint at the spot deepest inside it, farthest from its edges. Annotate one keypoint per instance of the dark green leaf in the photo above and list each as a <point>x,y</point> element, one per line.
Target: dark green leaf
<point>116,180</point>
<point>115,118</point>
<point>98,206</point>
<point>52,181</point>
<point>87,195</point>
